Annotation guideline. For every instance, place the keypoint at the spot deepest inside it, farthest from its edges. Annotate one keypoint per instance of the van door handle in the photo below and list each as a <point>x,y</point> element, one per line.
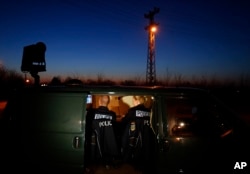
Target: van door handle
<point>76,142</point>
<point>166,145</point>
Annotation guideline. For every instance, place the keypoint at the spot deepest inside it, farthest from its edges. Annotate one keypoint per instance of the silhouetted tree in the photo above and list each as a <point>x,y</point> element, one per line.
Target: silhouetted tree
<point>9,80</point>
<point>73,82</point>
<point>55,81</point>
<point>128,83</point>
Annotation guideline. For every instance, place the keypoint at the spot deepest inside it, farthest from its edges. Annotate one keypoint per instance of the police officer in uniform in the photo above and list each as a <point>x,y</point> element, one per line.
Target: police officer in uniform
<point>138,137</point>
<point>102,142</point>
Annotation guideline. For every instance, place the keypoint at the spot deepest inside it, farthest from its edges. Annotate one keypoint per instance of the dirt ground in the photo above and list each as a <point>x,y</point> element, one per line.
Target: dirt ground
<point>123,169</point>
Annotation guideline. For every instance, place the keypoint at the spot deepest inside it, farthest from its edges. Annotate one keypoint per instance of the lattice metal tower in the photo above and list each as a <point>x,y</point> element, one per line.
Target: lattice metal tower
<point>151,28</point>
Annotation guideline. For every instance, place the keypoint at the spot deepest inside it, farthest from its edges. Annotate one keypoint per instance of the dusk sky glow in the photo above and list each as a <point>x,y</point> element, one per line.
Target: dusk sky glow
<point>85,38</point>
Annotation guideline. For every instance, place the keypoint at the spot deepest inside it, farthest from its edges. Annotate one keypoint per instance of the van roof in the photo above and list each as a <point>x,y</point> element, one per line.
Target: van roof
<point>114,89</point>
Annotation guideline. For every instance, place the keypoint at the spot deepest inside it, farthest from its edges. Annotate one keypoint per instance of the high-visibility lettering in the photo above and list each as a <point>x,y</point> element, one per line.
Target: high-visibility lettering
<point>146,122</point>
<point>105,123</point>
<point>139,113</point>
<point>102,116</point>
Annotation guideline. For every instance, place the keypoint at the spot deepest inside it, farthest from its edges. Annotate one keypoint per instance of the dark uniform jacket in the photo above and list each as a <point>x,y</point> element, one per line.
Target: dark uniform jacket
<point>101,136</point>
<point>138,137</point>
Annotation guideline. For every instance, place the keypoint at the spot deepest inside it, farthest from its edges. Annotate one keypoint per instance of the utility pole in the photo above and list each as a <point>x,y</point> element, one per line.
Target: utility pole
<point>151,28</point>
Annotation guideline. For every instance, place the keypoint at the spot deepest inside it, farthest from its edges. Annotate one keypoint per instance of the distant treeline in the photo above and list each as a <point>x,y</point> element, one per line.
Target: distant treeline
<point>10,79</point>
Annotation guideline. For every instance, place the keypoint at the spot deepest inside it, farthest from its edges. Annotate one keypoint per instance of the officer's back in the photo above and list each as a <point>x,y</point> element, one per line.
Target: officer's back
<point>103,142</point>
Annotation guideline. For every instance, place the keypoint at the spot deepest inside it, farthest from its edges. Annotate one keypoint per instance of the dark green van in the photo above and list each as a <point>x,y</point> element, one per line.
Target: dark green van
<point>43,129</point>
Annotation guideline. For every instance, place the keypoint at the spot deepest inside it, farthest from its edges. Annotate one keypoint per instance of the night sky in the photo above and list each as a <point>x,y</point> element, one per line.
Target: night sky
<point>86,38</point>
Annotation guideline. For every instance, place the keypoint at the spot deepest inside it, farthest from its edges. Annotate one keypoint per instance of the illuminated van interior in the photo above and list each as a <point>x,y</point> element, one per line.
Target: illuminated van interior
<point>119,104</point>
